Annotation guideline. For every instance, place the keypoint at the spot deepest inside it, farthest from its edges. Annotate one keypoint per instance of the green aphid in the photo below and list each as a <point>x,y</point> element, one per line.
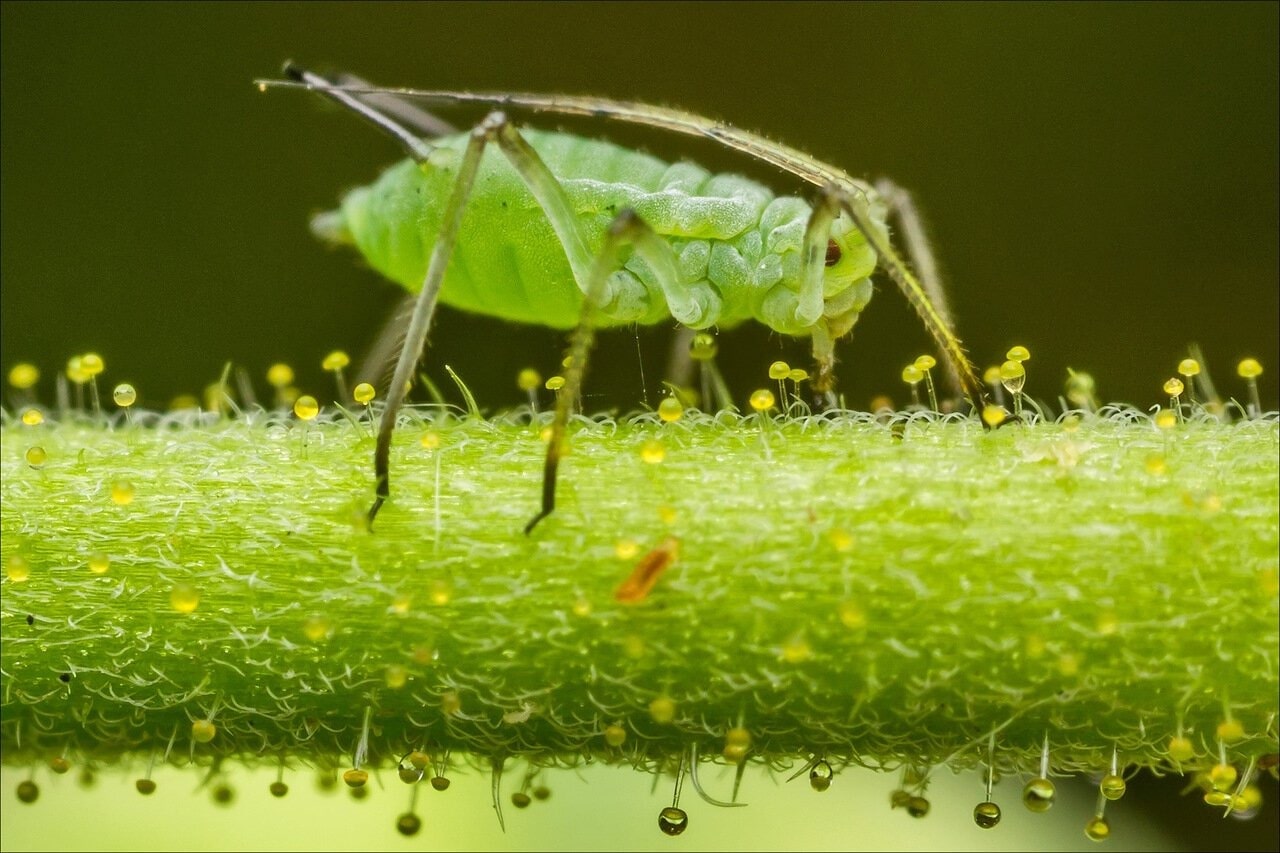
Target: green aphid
<point>569,232</point>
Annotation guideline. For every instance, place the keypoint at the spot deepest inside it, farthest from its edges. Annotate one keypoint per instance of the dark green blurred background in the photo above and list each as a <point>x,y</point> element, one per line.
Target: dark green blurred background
<point>1101,180</point>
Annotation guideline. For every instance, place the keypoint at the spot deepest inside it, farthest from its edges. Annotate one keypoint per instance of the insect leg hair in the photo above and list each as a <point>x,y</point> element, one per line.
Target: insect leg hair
<point>626,227</point>
<point>915,240</point>
<point>952,351</point>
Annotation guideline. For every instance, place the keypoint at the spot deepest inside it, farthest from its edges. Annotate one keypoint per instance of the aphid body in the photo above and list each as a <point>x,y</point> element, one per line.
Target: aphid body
<point>736,249</point>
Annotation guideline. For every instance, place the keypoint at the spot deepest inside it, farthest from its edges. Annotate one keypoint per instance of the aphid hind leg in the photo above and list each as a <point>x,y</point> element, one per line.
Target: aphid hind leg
<point>817,234</point>
<point>919,252</point>
<point>626,227</point>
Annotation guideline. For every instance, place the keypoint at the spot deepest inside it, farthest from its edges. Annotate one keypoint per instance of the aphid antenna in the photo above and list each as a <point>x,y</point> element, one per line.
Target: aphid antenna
<point>418,150</point>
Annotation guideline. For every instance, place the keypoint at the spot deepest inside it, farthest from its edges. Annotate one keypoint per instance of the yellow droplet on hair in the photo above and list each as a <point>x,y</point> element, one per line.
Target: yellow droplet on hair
<point>400,603</point>
<point>925,362</point>
<point>1107,623</point>
<point>652,452</point>
<point>335,360</point>
<point>1069,664</point>
<point>852,616</point>
<point>183,401</point>
<point>33,417</point>
<point>1174,387</point>
<point>796,650</point>
<point>1018,354</point>
<point>1166,419</point>
<point>703,347</point>
<point>23,376</point>
<point>991,375</point>
<point>1189,367</point>
<point>317,628</point>
<point>125,395</point>
<point>528,379</point>
<point>779,370</point>
<point>75,370</point>
<point>1223,777</point>
<point>430,440</point>
<point>203,731</point>
<point>122,493</point>
<point>440,593</point>
<point>17,568</point>
<point>1230,731</point>
<point>1180,749</point>
<point>581,608</point>
<point>762,400</point>
<point>355,778</point>
<point>99,563</point>
<point>396,676</point>
<point>91,363</point>
<point>184,598</point>
<point>668,515</point>
<point>36,456</point>
<point>662,710</point>
<point>615,735</point>
<point>1112,786</point>
<point>840,539</point>
<point>798,374</point>
<point>912,375</point>
<point>544,434</point>
<point>1097,829</point>
<point>306,407</point>
<point>626,549</point>
<point>1013,376</point>
<point>670,410</point>
<point>363,393</point>
<point>280,375</point>
<point>1249,368</point>
<point>1156,465</point>
<point>555,383</point>
<point>993,415</point>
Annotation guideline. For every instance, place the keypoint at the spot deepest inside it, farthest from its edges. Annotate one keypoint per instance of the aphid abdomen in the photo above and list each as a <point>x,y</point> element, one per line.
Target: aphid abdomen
<point>510,264</point>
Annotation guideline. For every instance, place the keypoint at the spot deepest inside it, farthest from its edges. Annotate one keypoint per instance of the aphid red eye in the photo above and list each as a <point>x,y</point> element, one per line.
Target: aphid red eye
<point>833,253</point>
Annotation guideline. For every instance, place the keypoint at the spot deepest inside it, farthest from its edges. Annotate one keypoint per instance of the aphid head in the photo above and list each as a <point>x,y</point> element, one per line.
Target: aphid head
<point>850,261</point>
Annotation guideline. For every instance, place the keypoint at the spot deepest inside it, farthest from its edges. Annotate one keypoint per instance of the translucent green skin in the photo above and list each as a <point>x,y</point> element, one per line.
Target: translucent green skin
<point>728,233</point>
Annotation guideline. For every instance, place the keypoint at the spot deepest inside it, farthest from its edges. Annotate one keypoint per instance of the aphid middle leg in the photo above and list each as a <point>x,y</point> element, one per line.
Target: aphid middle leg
<point>626,227</point>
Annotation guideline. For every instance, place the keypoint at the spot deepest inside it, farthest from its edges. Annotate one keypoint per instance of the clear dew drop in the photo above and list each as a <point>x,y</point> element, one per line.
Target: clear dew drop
<point>1038,795</point>
<point>986,815</point>
<point>673,821</point>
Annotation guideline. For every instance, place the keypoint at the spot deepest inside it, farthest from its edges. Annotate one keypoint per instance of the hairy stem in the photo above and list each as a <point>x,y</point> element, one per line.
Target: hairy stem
<point>878,594</point>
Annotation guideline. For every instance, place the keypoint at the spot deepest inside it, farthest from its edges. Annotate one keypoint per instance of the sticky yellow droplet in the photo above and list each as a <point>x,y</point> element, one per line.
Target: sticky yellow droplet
<point>581,608</point>
<point>1097,829</point>
<point>430,440</point>
<point>99,563</point>
<point>555,383</point>
<point>1223,777</point>
<point>397,676</point>
<point>125,395</point>
<point>668,515</point>
<point>1068,664</point>
<point>1174,387</point>
<point>32,417</point>
<point>615,735</point>
<point>184,598</point>
<point>363,393</point>
<point>1180,749</point>
<point>335,360</point>
<point>670,410</point>
<point>840,539</point>
<point>355,778</point>
<point>852,616</point>
<point>1249,368</point>
<point>993,415</point>
<point>280,375</point>
<point>91,363</point>
<point>75,370</point>
<point>912,375</point>
<point>796,650</point>
<point>401,603</point>
<point>779,370</point>
<point>17,568</point>
<point>23,376</point>
<point>1166,419</point>
<point>1018,354</point>
<point>1013,376</point>
<point>1156,465</point>
<point>652,452</point>
<point>662,710</point>
<point>762,400</point>
<point>440,593</point>
<point>203,731</point>
<point>316,628</point>
<point>528,379</point>
<point>991,375</point>
<point>1189,367</point>
<point>36,456</point>
<point>1230,731</point>
<point>122,493</point>
<point>925,362</point>
<point>1112,786</point>
<point>306,407</point>
<point>626,549</point>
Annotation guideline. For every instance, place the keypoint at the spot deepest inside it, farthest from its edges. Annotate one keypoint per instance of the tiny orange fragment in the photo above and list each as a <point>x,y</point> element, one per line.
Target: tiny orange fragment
<point>636,587</point>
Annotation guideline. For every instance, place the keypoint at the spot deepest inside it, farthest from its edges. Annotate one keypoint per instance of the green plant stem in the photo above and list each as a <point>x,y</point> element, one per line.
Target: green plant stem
<point>876,594</point>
